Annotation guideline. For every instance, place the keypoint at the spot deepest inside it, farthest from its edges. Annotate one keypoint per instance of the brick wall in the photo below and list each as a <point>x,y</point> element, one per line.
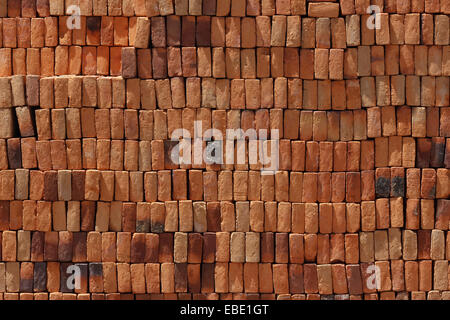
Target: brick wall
<point>358,207</point>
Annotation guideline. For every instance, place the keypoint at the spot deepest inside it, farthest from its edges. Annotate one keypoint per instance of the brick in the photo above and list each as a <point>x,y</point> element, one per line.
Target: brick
<point>409,245</point>
<point>440,275</point>
<point>323,9</point>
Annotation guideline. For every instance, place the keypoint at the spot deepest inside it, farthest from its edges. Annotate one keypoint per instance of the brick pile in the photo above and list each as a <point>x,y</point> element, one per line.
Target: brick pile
<point>86,116</point>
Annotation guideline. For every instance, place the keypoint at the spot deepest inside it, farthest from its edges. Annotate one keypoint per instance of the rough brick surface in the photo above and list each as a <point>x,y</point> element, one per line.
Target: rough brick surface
<point>90,175</point>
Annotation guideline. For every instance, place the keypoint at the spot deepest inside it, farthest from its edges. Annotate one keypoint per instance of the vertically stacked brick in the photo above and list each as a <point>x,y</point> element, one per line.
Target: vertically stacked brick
<point>89,158</point>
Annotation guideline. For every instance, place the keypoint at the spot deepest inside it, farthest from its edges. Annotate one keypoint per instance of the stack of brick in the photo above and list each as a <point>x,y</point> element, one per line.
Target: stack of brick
<point>86,117</point>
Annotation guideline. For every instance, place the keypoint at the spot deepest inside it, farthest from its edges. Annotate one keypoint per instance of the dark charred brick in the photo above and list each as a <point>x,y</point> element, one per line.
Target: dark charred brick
<point>173,30</point>
<point>157,227</point>
<point>208,277</point>
<point>188,31</point>
<point>93,24</point>
<point>382,187</point>
<point>398,187</point>
<point>40,277</point>
<point>203,35</point>
<point>14,153</point>
<point>95,270</point>
<point>142,226</point>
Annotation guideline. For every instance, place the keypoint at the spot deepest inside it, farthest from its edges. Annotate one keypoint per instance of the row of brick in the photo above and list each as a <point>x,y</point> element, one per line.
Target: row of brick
<point>31,8</point>
<point>228,277</point>
<point>255,216</point>
<point>306,125</point>
<point>277,62</point>
<point>221,8</point>
<point>234,63</point>
<point>204,31</point>
<point>166,185</point>
<point>324,156</point>
<point>144,156</point>
<point>194,92</point>
<point>386,295</point>
<point>159,63</point>
<point>239,8</point>
<point>242,216</point>
<point>267,247</point>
